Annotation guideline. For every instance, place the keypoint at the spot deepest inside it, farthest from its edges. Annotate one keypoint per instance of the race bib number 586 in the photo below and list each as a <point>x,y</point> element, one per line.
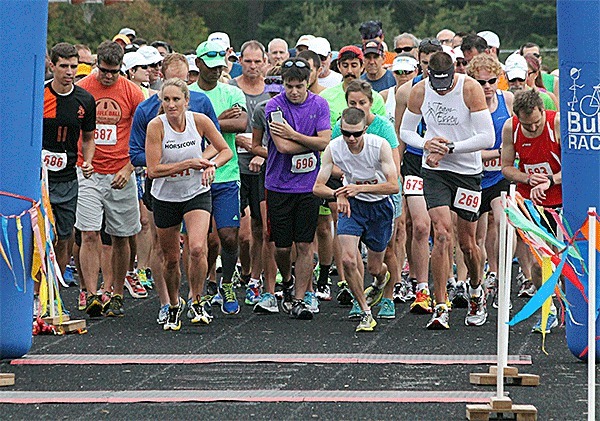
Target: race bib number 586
<point>468,200</point>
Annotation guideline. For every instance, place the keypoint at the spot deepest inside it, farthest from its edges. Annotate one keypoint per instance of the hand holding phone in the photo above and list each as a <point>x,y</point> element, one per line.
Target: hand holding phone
<point>277,117</point>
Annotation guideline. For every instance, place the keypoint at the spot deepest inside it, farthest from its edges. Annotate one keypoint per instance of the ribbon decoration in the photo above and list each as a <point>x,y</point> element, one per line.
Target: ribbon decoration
<point>7,242</point>
<point>546,273</point>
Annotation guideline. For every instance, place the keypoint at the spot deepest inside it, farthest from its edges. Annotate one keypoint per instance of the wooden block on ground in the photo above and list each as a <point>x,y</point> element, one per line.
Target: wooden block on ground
<point>72,326</point>
<point>486,412</point>
<point>508,371</point>
<point>488,379</point>
<point>7,379</point>
<point>500,403</point>
<point>56,319</point>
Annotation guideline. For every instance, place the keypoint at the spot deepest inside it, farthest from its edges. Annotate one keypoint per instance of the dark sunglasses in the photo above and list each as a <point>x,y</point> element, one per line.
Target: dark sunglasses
<point>111,71</point>
<point>213,54</point>
<point>490,81</point>
<point>299,64</point>
<point>156,65</point>
<point>270,80</point>
<point>460,62</point>
<point>355,134</point>
<point>403,49</point>
<point>517,79</point>
<point>403,72</point>
<point>143,66</point>
<point>429,41</point>
<point>536,55</point>
<point>83,62</point>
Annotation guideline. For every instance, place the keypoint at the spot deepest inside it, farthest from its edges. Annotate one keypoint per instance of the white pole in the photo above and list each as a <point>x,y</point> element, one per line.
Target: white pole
<point>501,281</point>
<point>592,315</point>
<point>505,310</point>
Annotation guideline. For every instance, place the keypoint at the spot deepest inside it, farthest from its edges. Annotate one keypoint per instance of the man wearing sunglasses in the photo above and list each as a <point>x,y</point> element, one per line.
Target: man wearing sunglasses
<point>229,103</point>
<point>298,129</point>
<point>364,203</point>
<point>406,43</point>
<point>459,126</point>
<point>111,191</point>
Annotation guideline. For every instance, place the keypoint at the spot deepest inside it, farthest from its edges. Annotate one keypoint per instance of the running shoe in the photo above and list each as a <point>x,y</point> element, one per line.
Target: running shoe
<point>94,306</point>
<point>174,320</point>
<point>495,302</point>
<point>133,285</point>
<point>551,323</point>
<point>410,288</point>
<point>252,294</point>
<point>230,304</point>
<point>460,297</point>
<point>520,278</point>
<point>387,310</point>
<point>527,289</point>
<point>69,276</point>
<point>212,288</point>
<point>344,295</point>
<point>149,278</point>
<point>267,304</point>
<point>440,320</point>
<point>115,306</point>
<point>477,314</point>
<point>367,323</point>
<point>311,301</point>
<point>491,284</point>
<point>163,315</point>
<point>142,275</point>
<point>355,311</point>
<point>82,301</point>
<point>300,311</point>
<point>201,311</point>
<point>374,293</point>
<point>288,295</point>
<point>422,303</point>
<point>216,300</point>
<point>323,292</point>
<point>398,293</point>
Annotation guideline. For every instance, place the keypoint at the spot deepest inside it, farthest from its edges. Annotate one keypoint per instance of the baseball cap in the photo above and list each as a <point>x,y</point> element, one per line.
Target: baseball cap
<point>123,38</point>
<point>191,59</point>
<point>127,31</point>
<point>441,80</point>
<point>491,38</point>
<point>220,37</point>
<point>516,67</point>
<point>151,54</point>
<point>404,63</point>
<point>320,46</point>
<point>132,59</point>
<point>305,40</point>
<point>448,50</point>
<point>212,53</point>
<point>371,29</point>
<point>373,47</point>
<point>350,51</point>
<point>458,52</point>
<point>83,69</point>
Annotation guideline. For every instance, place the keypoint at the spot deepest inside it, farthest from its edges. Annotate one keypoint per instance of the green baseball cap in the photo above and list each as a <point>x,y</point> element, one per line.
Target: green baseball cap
<point>211,53</point>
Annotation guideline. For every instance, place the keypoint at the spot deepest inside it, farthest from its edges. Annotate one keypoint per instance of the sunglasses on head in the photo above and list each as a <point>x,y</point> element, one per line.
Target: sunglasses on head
<point>213,54</point>
<point>270,80</point>
<point>403,72</point>
<point>299,64</point>
<point>403,49</point>
<point>490,81</point>
<point>461,62</point>
<point>517,79</point>
<point>111,71</point>
<point>429,41</point>
<point>355,134</point>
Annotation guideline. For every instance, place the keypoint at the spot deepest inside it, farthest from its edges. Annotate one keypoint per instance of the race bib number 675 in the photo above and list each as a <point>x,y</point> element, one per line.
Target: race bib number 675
<point>413,185</point>
<point>468,200</point>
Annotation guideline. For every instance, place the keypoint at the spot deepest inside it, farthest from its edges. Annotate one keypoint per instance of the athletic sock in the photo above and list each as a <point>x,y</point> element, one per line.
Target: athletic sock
<point>323,274</point>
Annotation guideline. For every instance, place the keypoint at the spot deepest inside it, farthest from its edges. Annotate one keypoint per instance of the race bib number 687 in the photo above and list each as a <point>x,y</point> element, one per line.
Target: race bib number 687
<point>468,200</point>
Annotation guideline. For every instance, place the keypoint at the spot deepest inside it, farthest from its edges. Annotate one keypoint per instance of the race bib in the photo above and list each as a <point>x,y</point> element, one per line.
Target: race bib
<point>54,161</point>
<point>468,200</point>
<point>413,185</point>
<point>181,176</point>
<point>541,168</point>
<point>493,165</point>
<point>363,182</point>
<point>105,134</point>
<point>304,163</point>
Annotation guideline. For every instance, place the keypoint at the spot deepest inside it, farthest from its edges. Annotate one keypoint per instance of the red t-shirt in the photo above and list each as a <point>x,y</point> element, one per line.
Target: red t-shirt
<point>539,155</point>
<point>115,106</point>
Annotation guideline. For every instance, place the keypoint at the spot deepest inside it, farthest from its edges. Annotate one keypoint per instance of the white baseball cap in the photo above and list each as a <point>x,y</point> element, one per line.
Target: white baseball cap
<point>132,59</point>
<point>448,50</point>
<point>305,40</point>
<point>151,54</point>
<point>320,46</point>
<point>220,37</point>
<point>406,63</point>
<point>191,59</point>
<point>127,31</point>
<point>516,67</point>
<point>491,38</point>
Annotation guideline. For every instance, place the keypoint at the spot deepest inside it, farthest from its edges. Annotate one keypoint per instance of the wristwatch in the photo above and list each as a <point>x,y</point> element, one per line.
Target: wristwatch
<point>450,146</point>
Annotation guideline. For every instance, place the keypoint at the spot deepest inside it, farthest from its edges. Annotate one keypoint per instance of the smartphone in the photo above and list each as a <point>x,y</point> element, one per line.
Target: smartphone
<point>277,116</point>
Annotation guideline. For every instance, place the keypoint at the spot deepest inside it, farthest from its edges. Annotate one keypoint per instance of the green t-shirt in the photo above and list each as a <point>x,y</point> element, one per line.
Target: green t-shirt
<point>223,97</point>
<point>336,97</point>
<point>380,126</point>
<point>548,80</point>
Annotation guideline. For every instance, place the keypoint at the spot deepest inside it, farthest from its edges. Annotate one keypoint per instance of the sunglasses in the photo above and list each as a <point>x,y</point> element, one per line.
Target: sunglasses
<point>460,62</point>
<point>355,134</point>
<point>490,81</point>
<point>299,64</point>
<point>111,71</point>
<point>536,55</point>
<point>403,72</point>
<point>429,41</point>
<point>156,65</point>
<point>143,66</point>
<point>273,80</point>
<point>517,79</point>
<point>213,54</point>
<point>403,49</point>
<point>89,64</point>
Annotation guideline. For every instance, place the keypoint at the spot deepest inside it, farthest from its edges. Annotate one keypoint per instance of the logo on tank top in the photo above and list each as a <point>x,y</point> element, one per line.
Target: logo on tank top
<point>441,114</point>
<point>108,111</point>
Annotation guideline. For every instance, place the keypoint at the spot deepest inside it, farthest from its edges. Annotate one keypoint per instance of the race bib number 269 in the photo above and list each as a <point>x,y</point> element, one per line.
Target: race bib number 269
<point>468,200</point>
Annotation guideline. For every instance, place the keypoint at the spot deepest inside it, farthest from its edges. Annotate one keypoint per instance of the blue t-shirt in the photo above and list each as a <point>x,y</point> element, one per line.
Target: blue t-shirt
<point>147,110</point>
<point>499,117</point>
<point>384,82</point>
<point>308,118</point>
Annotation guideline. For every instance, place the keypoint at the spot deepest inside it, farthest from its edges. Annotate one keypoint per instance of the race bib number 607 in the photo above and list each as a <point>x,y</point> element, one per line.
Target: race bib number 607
<point>468,200</point>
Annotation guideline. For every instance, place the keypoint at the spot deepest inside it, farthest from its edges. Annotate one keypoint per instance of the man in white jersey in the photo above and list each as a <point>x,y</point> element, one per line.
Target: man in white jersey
<point>366,210</point>
<point>459,126</point>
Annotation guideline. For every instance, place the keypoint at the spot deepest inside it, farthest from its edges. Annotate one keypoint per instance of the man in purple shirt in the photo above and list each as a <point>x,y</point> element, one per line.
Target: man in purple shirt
<point>298,129</point>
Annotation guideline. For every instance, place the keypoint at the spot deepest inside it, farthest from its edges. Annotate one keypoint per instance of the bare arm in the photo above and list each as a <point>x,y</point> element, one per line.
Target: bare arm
<point>320,189</point>
<point>88,148</point>
<point>257,147</point>
<point>233,120</point>
<point>314,143</point>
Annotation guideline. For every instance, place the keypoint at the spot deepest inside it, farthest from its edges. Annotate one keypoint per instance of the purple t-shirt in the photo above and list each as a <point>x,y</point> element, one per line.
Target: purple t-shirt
<point>295,173</point>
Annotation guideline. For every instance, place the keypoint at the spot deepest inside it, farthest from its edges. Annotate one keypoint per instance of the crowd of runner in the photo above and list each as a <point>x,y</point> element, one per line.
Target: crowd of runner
<point>265,172</point>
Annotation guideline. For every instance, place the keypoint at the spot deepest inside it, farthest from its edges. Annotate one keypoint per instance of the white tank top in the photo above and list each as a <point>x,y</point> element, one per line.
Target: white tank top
<point>361,168</point>
<point>447,116</point>
<point>390,104</point>
<point>177,147</point>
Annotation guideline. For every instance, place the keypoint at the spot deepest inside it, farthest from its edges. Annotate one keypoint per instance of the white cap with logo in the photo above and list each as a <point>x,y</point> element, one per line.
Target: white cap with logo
<point>220,37</point>
<point>320,46</point>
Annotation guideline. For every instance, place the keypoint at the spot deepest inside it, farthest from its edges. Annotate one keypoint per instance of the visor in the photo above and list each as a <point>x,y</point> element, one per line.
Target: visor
<point>441,80</point>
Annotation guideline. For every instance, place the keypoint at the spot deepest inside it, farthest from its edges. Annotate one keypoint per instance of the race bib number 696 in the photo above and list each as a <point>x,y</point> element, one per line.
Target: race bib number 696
<point>304,163</point>
<point>468,200</point>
